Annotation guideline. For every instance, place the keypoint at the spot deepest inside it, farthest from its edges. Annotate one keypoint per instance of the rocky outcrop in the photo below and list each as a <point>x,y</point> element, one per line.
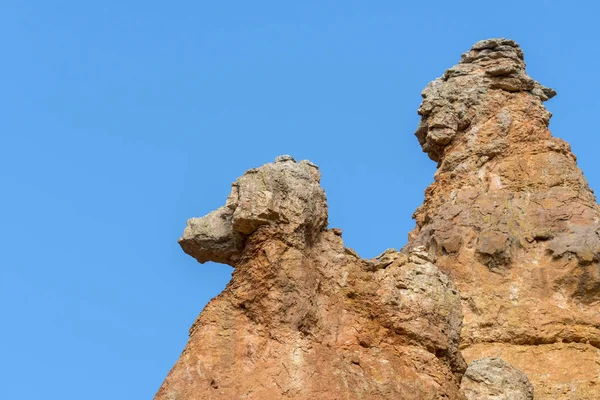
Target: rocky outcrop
<point>494,379</point>
<point>502,267</point>
<point>513,222</point>
<point>284,194</point>
<point>304,317</point>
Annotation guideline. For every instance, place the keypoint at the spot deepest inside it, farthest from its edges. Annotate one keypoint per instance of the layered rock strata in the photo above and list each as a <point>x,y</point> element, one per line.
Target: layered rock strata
<point>304,317</point>
<point>513,222</point>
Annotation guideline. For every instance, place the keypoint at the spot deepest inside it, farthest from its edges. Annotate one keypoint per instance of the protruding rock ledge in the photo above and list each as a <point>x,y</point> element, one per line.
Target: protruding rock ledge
<point>511,219</point>
<point>285,194</point>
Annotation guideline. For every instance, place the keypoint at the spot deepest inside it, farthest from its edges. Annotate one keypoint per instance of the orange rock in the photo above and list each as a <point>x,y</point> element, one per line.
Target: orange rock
<point>512,221</point>
<point>304,317</point>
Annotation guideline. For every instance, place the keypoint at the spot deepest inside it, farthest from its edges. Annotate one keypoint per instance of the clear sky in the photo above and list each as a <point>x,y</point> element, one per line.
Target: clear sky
<point>121,119</point>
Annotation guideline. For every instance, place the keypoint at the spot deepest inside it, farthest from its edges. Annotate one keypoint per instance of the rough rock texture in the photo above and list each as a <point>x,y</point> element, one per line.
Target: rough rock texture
<point>513,222</point>
<point>494,379</point>
<point>509,219</point>
<point>285,193</point>
<point>304,317</point>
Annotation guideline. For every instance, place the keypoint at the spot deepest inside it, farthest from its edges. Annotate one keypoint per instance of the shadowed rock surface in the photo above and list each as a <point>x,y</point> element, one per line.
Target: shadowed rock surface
<point>513,222</point>
<point>509,222</point>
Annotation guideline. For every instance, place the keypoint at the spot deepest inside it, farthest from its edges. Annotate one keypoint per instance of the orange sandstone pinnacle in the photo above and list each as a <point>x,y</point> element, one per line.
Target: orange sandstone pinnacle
<point>513,222</point>
<point>502,268</point>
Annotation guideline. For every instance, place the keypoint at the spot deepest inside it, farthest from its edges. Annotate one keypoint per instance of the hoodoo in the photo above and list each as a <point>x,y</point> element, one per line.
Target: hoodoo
<point>512,221</point>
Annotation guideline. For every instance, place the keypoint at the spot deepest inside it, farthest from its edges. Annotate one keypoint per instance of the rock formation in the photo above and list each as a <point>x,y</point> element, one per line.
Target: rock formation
<point>303,317</point>
<point>509,220</point>
<point>513,222</point>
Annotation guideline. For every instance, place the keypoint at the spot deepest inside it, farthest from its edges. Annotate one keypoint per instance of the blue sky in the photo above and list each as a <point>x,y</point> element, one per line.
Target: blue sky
<point>121,119</point>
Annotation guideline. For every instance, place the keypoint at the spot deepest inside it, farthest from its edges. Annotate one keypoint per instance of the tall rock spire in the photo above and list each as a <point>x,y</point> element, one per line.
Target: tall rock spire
<point>512,221</point>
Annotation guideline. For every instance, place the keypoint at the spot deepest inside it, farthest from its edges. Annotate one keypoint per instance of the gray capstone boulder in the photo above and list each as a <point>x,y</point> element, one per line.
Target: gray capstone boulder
<point>495,379</point>
<point>285,194</point>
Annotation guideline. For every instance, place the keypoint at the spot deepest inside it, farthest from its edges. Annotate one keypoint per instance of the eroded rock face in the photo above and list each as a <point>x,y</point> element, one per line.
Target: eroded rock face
<point>513,222</point>
<point>304,317</point>
<point>509,221</point>
<point>494,379</point>
<point>452,103</point>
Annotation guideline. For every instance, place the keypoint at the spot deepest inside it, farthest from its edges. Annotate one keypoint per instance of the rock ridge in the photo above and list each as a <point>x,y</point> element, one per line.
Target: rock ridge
<point>305,316</point>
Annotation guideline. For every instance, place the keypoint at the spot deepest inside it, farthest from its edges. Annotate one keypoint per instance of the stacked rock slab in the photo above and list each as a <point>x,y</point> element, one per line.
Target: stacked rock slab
<point>303,317</point>
<point>511,219</point>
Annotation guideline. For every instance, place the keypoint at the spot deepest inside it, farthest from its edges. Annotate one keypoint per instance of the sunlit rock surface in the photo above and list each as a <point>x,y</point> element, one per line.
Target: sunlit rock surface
<point>511,219</point>
<point>502,267</point>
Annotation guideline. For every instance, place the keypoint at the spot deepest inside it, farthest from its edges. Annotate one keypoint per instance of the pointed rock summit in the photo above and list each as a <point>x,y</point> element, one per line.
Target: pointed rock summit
<point>460,98</point>
<point>502,267</point>
<point>512,221</point>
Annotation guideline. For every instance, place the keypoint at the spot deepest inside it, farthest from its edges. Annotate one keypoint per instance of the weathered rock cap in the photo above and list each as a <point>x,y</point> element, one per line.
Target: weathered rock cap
<point>457,101</point>
<point>420,301</point>
<point>494,379</point>
<point>285,194</point>
<point>504,59</point>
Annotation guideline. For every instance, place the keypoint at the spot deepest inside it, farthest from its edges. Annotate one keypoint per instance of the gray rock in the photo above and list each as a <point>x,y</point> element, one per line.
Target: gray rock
<point>581,241</point>
<point>285,195</point>
<point>284,158</point>
<point>495,379</point>
<point>450,103</point>
<point>544,93</point>
<point>211,238</point>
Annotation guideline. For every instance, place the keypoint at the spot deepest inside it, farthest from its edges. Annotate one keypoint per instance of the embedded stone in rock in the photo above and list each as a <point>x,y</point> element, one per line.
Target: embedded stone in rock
<point>421,302</point>
<point>581,241</point>
<point>494,379</point>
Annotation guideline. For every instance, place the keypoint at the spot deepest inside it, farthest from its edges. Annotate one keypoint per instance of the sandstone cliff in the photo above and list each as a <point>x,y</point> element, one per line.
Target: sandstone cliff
<point>503,263</point>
